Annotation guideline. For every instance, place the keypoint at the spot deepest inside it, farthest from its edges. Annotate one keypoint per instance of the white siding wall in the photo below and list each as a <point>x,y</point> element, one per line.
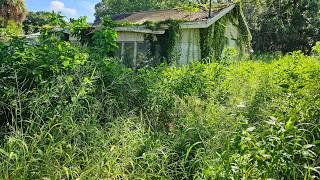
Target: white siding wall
<point>188,46</point>
<point>130,36</point>
<point>232,33</point>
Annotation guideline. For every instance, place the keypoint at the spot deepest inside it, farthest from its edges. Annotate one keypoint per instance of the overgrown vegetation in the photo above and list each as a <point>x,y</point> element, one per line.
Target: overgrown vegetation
<point>34,21</point>
<point>70,111</point>
<point>67,112</point>
<point>213,40</point>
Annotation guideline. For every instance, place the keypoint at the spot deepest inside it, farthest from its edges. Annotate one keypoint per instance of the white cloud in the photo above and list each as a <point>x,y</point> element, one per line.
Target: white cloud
<point>60,7</point>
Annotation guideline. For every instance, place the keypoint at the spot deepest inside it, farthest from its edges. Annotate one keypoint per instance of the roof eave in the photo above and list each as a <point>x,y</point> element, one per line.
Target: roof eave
<point>138,29</point>
<point>209,22</point>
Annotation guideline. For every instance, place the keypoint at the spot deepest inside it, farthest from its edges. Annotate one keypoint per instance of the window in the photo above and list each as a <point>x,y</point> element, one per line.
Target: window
<point>134,54</point>
<point>128,54</point>
<point>143,54</point>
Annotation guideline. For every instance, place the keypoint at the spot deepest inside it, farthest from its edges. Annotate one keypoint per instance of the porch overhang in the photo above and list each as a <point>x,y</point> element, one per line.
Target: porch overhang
<point>139,29</point>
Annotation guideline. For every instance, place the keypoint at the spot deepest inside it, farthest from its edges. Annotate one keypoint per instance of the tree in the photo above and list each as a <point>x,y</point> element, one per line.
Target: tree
<point>104,40</point>
<point>283,25</point>
<point>112,7</point>
<point>34,21</point>
<point>55,19</point>
<point>12,9</point>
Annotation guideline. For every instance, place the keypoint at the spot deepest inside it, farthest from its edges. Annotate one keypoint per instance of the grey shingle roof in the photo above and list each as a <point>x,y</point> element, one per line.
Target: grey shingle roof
<point>169,14</point>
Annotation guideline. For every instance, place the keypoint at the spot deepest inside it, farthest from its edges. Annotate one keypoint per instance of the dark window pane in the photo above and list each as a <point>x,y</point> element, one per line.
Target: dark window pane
<point>128,54</point>
<point>143,54</point>
<point>118,52</point>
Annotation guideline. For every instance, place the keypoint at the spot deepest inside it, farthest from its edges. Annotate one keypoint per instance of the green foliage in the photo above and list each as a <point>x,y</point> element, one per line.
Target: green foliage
<point>35,21</point>
<point>81,29</point>
<point>191,7</point>
<point>213,40</point>
<point>219,39</point>
<point>68,113</point>
<point>13,29</point>
<point>12,10</point>
<point>55,20</point>
<point>206,42</point>
<point>167,42</point>
<point>43,61</point>
<point>105,39</point>
<point>283,26</point>
<point>112,7</point>
<point>316,48</point>
<point>245,38</point>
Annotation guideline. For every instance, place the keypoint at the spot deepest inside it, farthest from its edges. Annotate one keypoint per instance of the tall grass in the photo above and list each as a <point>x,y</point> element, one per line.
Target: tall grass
<point>100,120</point>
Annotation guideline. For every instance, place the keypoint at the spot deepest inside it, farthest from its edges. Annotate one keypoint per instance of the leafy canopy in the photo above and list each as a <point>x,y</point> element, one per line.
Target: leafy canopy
<point>285,25</point>
<point>112,7</point>
<point>35,20</point>
<point>12,9</point>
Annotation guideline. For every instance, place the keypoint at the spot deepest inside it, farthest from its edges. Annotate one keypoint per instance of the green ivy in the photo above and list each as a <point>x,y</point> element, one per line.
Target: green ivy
<point>167,41</point>
<point>206,45</point>
<point>219,40</point>
<point>244,40</point>
<point>213,41</point>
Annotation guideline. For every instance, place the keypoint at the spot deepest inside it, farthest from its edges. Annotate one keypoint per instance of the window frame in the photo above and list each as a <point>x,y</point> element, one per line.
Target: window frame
<point>122,51</point>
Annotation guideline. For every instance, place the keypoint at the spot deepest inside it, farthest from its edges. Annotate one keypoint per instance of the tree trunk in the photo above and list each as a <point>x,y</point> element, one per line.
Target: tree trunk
<point>5,22</point>
<point>6,19</point>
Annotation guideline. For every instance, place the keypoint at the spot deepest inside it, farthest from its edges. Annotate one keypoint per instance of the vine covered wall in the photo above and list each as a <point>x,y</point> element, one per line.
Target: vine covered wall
<point>163,46</point>
<point>168,41</point>
<point>213,40</point>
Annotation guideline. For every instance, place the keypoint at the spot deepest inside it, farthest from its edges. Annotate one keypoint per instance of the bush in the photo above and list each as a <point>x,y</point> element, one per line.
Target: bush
<point>316,48</point>
<point>67,113</point>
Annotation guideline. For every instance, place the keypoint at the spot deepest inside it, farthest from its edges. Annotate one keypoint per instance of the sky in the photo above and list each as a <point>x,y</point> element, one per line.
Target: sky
<point>68,8</point>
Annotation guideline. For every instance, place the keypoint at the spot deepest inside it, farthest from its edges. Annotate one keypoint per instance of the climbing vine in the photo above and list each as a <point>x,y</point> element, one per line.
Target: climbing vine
<point>212,40</point>
<point>219,39</point>
<point>206,35</point>
<point>167,41</point>
<point>244,39</point>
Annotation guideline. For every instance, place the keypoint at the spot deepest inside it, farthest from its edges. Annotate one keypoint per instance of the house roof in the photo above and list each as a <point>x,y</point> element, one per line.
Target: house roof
<point>187,18</point>
<point>179,14</point>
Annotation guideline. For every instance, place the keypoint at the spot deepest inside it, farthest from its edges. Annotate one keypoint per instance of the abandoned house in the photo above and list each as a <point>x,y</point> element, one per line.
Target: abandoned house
<point>180,35</point>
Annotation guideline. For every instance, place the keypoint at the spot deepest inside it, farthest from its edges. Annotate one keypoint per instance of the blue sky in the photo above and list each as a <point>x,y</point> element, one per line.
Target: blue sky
<point>69,8</point>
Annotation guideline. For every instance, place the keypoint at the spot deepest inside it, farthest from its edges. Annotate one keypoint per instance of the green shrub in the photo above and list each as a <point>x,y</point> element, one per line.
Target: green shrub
<point>68,113</point>
<point>316,48</point>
